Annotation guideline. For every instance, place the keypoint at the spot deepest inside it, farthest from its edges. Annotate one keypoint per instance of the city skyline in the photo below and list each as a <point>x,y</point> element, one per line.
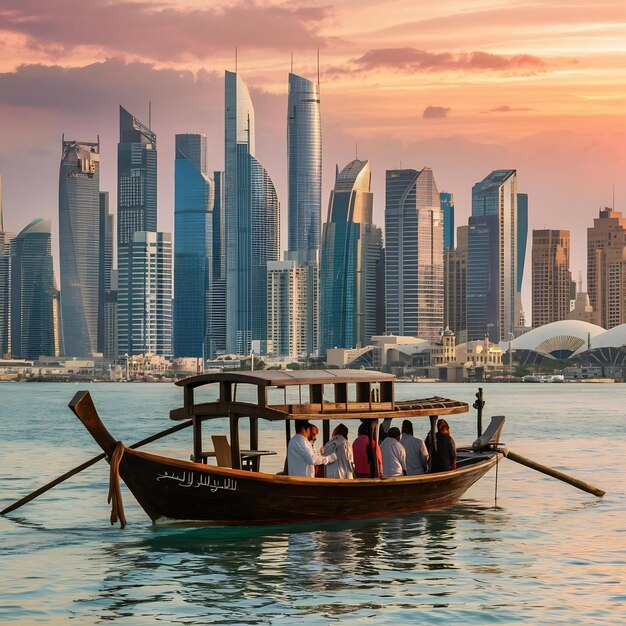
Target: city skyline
<point>460,100</point>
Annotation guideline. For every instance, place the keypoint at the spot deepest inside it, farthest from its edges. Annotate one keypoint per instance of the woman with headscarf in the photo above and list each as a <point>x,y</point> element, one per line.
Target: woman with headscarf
<point>443,458</point>
<point>338,444</point>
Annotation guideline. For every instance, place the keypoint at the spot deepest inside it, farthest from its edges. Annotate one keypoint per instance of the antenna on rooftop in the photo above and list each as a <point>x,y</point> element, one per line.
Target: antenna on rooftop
<point>356,150</point>
<point>235,59</point>
<point>614,196</point>
<point>292,62</point>
<point>318,66</point>
<point>149,114</point>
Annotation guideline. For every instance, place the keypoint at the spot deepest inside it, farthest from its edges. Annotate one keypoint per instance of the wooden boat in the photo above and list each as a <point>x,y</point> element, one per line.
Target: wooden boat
<point>175,490</point>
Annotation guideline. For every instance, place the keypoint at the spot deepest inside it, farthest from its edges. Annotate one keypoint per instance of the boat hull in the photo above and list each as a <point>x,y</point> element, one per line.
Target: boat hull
<point>173,490</point>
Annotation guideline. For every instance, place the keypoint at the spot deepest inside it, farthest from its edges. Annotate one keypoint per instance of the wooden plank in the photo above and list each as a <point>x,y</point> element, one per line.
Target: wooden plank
<point>234,441</point>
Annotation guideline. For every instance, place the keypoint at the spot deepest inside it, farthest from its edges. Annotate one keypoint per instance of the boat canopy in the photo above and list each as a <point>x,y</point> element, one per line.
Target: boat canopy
<point>373,397</point>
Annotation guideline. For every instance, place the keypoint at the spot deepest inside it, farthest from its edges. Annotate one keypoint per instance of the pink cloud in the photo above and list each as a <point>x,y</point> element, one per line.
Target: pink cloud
<point>505,108</point>
<point>413,59</point>
<point>163,31</point>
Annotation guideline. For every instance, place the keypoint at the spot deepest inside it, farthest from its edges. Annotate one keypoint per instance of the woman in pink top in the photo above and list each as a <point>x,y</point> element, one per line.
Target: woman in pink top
<point>361,452</point>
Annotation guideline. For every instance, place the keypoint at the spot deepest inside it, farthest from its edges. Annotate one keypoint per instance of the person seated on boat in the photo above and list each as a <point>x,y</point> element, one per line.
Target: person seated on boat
<point>343,467</point>
<point>301,457</point>
<point>416,452</point>
<point>394,454</point>
<point>361,452</point>
<point>443,459</point>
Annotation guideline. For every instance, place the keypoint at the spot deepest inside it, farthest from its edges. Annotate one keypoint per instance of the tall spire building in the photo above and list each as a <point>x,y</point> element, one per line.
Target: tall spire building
<point>252,225</point>
<point>5,285</point>
<point>414,254</point>
<point>351,255</point>
<point>79,246</point>
<point>193,231</point>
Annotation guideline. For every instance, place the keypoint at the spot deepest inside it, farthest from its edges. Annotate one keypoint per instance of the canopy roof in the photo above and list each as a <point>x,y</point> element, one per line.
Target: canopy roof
<point>284,378</point>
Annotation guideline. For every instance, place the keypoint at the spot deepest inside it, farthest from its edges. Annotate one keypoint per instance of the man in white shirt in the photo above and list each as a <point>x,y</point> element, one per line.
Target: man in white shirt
<point>416,452</point>
<point>301,457</point>
<point>394,456</point>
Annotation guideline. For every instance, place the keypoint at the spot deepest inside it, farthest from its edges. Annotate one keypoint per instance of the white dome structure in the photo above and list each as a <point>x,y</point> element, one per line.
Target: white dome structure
<point>557,340</point>
<point>607,348</point>
<point>612,338</point>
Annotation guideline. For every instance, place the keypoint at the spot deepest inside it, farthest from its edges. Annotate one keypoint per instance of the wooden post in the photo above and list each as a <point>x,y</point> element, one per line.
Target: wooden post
<point>288,431</point>
<point>197,440</point>
<point>325,431</point>
<point>373,443</point>
<point>341,394</point>
<point>433,441</point>
<point>254,441</point>
<point>234,441</point>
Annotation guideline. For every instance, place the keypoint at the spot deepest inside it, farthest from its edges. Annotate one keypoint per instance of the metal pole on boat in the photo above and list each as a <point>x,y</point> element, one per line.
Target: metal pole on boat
<point>478,405</point>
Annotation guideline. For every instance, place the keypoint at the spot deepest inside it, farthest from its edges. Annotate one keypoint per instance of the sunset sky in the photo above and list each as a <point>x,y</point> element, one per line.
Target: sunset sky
<point>463,86</point>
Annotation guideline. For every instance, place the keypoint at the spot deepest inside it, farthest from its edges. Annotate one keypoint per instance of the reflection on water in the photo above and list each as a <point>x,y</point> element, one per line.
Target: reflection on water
<point>337,569</point>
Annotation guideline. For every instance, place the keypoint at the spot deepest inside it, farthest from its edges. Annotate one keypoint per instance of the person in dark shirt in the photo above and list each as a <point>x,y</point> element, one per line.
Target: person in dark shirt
<point>443,459</point>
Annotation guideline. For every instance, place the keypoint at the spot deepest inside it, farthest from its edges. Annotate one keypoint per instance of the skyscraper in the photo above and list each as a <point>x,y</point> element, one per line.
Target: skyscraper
<point>79,246</point>
<point>144,304</point>
<point>105,270</point>
<point>136,178</point>
<point>252,224</point>
<point>522,244</point>
<point>551,275</point>
<point>606,267</point>
<point>455,283</point>
<point>288,316</point>
<point>304,157</point>
<point>32,292</point>
<point>5,285</point>
<point>304,154</point>
<point>447,210</point>
<point>414,254</point>
<point>351,253</point>
<point>193,231</point>
<point>216,306</point>
<point>492,257</point>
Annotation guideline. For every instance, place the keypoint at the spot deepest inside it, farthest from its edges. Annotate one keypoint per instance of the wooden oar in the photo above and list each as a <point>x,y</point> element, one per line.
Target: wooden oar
<point>580,484</point>
<point>86,464</point>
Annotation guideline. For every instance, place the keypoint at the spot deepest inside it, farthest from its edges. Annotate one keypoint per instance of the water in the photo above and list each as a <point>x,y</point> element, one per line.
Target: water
<point>547,554</point>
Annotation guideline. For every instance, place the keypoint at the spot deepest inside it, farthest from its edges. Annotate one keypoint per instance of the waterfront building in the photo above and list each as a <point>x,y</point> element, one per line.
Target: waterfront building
<point>105,263</point>
<point>350,257</point>
<point>144,297</point>
<point>290,322</point>
<point>193,226</point>
<point>455,285</point>
<point>447,212</point>
<point>414,298</point>
<point>492,257</point>
<point>252,225</point>
<point>606,267</point>
<point>32,292</point>
<point>136,178</point>
<point>216,304</point>
<point>79,245</point>
<point>551,276</point>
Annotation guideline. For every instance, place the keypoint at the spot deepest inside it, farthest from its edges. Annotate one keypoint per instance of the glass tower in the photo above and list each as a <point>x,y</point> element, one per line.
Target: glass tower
<point>136,178</point>
<point>216,306</point>
<point>304,155</point>
<point>105,269</point>
<point>447,210</point>
<point>5,285</point>
<point>79,246</point>
<point>252,225</point>
<point>32,292</point>
<point>193,208</point>
<point>350,258</point>
<point>414,254</point>
<point>492,259</point>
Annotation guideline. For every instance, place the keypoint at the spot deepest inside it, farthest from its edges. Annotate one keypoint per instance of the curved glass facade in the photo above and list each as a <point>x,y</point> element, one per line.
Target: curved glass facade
<point>304,156</point>
<point>350,257</point>
<point>32,292</point>
<point>79,246</point>
<point>414,254</point>
<point>194,198</point>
